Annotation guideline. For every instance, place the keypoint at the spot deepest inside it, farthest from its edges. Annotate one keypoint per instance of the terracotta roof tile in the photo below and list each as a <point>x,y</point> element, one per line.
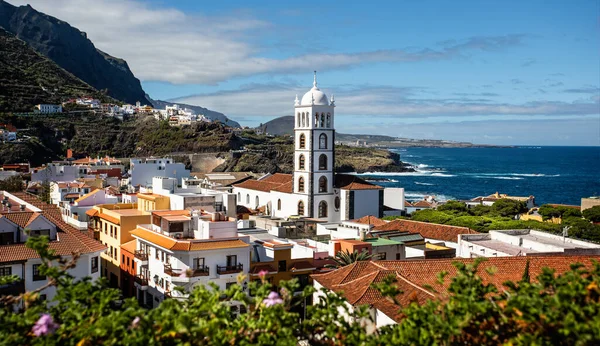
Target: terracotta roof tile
<point>352,182</point>
<point>370,220</point>
<point>301,265</point>
<point>257,268</point>
<point>413,277</point>
<point>427,230</point>
<point>278,178</point>
<point>257,185</point>
<point>185,245</point>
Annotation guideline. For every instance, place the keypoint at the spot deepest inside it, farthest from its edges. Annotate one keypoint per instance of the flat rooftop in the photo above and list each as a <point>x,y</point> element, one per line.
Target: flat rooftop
<point>556,242</point>
<point>501,246</point>
<point>128,212</point>
<point>382,242</point>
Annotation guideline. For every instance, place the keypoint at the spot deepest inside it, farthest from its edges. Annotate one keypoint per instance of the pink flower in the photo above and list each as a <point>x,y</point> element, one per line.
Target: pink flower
<point>272,299</point>
<point>262,274</point>
<point>44,326</point>
<point>136,322</point>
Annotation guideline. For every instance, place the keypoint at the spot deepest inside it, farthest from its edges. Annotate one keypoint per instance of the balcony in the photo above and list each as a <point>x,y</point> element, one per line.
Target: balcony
<point>141,256</point>
<point>13,289</point>
<point>185,275</point>
<point>141,281</point>
<point>234,269</point>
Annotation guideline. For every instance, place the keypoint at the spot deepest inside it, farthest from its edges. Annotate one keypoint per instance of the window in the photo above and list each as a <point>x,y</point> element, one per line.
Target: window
<point>247,198</point>
<point>381,257</point>
<point>43,297</point>
<point>316,119</point>
<point>239,196</point>
<point>281,266</point>
<point>302,141</point>
<point>322,120</point>
<point>157,254</point>
<point>5,271</point>
<point>323,184</point>
<point>300,208</point>
<point>323,162</point>
<point>231,260</point>
<point>94,264</point>
<point>337,203</point>
<point>301,184</point>
<point>278,204</point>
<point>257,200</point>
<point>39,232</point>
<point>36,273</point>
<point>299,118</point>
<point>301,162</point>
<point>328,120</point>
<point>323,141</point>
<point>7,238</point>
<point>398,257</point>
<point>116,254</point>
<point>323,209</point>
<point>127,260</point>
<point>105,231</point>
<point>123,258</point>
<point>198,263</point>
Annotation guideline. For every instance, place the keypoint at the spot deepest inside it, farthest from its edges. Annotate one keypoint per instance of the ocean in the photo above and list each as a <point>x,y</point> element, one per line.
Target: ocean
<point>552,174</point>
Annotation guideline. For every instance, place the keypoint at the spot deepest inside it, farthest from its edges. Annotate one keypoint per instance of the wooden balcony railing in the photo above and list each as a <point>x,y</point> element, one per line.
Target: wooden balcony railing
<point>230,269</point>
<point>201,271</point>
<point>141,280</point>
<point>141,255</point>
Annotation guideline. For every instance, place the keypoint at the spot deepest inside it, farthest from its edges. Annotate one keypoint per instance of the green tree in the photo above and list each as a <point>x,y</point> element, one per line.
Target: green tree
<point>508,207</point>
<point>592,214</point>
<point>453,207</point>
<point>12,184</point>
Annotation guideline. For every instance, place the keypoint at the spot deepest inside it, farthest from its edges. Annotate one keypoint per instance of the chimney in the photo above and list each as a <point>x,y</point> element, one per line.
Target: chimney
<point>363,234</point>
<point>22,207</point>
<point>69,153</point>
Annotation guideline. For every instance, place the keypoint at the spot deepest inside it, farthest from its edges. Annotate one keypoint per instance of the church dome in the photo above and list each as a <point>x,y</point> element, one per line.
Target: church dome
<point>316,94</point>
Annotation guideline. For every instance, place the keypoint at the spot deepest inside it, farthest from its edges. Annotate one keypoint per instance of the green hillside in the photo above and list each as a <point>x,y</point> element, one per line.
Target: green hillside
<point>27,78</point>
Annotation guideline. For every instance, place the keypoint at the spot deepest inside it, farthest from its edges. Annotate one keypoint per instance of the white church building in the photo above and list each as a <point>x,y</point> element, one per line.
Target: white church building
<point>314,190</point>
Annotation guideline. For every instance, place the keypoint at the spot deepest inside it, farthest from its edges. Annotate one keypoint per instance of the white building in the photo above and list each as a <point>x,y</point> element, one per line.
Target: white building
<point>313,190</point>
<point>67,191</point>
<point>185,249</point>
<point>20,211</point>
<point>73,212</point>
<point>143,170</point>
<point>522,242</point>
<point>47,108</point>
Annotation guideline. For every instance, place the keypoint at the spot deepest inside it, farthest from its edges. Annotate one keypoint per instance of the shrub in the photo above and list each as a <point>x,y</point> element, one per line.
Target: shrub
<point>592,214</point>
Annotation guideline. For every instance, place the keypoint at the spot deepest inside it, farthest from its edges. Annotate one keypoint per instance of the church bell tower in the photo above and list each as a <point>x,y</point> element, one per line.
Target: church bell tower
<point>314,140</point>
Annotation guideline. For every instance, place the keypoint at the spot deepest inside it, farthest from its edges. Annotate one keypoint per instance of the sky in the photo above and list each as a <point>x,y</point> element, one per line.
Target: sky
<point>503,72</point>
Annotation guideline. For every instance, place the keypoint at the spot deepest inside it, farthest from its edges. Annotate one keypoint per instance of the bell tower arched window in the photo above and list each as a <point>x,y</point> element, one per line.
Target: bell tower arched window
<point>301,184</point>
<point>323,141</point>
<point>323,162</point>
<point>322,209</point>
<point>300,208</point>
<point>323,184</point>
<point>299,119</point>
<point>301,161</point>
<point>302,141</point>
<point>316,119</point>
<point>328,119</point>
<point>322,120</point>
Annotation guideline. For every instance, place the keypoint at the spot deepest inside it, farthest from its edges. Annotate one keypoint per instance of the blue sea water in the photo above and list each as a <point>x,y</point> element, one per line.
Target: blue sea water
<point>551,174</point>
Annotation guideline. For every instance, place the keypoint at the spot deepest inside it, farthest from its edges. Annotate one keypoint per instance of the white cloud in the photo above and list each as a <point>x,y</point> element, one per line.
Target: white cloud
<point>166,44</point>
<point>278,100</point>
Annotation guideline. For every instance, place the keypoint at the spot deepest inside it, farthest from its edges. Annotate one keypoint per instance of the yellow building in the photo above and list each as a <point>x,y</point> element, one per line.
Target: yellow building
<point>148,202</point>
<point>112,224</point>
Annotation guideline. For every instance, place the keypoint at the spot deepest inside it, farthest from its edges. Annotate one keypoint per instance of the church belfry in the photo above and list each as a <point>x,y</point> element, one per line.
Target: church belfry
<point>314,141</point>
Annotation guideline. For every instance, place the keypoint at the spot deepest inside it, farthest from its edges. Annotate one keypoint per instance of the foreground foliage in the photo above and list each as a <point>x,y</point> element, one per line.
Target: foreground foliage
<point>562,309</point>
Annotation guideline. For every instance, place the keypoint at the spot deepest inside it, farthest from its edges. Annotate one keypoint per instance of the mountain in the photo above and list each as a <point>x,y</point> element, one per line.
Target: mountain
<point>73,51</point>
<point>279,126</point>
<point>212,115</point>
<point>28,78</point>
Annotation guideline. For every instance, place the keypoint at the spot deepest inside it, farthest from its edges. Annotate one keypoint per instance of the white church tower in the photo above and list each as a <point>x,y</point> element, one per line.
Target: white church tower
<point>314,160</point>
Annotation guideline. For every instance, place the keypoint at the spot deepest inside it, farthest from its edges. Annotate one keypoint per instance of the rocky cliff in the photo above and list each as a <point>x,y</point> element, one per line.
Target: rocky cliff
<point>73,51</point>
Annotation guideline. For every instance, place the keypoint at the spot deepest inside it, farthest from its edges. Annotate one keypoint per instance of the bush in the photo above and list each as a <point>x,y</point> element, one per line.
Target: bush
<point>592,214</point>
<point>431,215</point>
<point>508,207</point>
<point>556,309</point>
<point>453,207</point>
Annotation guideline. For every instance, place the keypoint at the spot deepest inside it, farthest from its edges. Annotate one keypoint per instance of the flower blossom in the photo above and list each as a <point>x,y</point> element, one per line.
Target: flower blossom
<point>262,274</point>
<point>44,326</point>
<point>272,299</point>
<point>136,322</point>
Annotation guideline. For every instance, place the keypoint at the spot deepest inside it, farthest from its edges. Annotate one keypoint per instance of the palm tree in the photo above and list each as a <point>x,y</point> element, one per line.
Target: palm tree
<point>344,258</point>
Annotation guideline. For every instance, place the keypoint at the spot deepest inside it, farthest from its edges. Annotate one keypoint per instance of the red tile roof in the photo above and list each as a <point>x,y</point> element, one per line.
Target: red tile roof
<point>185,245</point>
<point>271,183</point>
<point>69,239</point>
<point>352,182</point>
<point>278,178</point>
<point>370,220</point>
<point>427,230</point>
<point>413,277</point>
<point>422,204</point>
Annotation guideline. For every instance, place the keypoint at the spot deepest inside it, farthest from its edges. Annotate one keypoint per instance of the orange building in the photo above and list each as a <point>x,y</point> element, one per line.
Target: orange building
<point>128,268</point>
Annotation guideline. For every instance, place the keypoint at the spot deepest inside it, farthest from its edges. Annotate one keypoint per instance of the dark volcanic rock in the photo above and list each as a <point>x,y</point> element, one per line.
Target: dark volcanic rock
<point>72,50</point>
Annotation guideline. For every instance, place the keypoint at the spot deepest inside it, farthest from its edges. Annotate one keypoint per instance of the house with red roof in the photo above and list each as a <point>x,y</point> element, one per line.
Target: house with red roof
<point>418,282</point>
<point>23,216</point>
